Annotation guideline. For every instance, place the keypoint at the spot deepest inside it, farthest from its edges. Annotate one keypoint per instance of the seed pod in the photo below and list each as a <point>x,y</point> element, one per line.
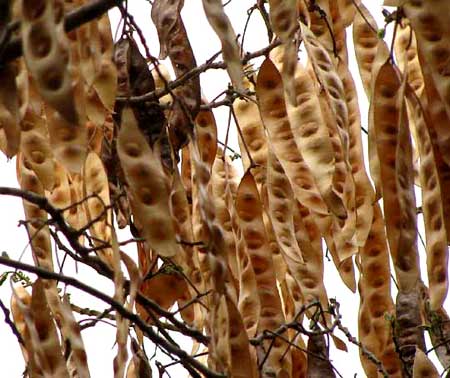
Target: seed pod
<point>221,25</point>
<point>433,210</point>
<point>253,138</point>
<point>423,367</point>
<point>269,90</point>
<point>249,211</point>
<point>312,137</point>
<point>394,151</point>
<point>148,186</point>
<point>96,189</point>
<point>9,111</point>
<point>47,55</point>
<point>430,24</point>
<point>376,301</point>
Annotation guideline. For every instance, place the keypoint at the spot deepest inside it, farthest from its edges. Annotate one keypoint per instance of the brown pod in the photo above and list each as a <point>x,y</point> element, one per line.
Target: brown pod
<point>319,365</point>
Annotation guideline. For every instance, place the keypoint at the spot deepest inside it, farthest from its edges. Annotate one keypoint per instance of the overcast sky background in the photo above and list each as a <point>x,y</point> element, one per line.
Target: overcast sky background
<point>99,341</point>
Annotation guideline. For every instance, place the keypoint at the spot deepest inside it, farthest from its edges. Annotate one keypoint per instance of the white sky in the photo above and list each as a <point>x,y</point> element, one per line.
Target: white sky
<point>99,341</point>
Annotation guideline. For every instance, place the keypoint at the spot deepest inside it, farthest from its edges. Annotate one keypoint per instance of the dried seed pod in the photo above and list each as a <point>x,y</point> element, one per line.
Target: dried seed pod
<point>97,205</point>
<point>423,367</point>
<point>174,43</point>
<point>269,90</point>
<point>430,24</point>
<point>9,111</point>
<point>433,210</point>
<point>139,366</point>
<point>366,42</point>
<point>221,25</point>
<point>394,152</point>
<point>148,185</point>
<point>47,55</point>
<point>312,137</point>
<point>253,138</point>
<point>249,211</point>
<point>283,17</point>
<point>376,301</point>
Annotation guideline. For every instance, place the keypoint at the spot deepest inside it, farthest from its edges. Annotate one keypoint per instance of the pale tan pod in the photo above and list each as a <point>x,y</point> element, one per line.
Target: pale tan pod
<point>97,207</point>
<point>320,23</point>
<point>423,367</point>
<point>348,11</point>
<point>221,25</point>
<point>312,137</point>
<point>281,204</point>
<point>36,149</point>
<point>367,43</point>
<point>407,56</point>
<point>9,110</point>
<point>248,301</point>
<point>148,185</point>
<point>269,90</point>
<point>161,76</point>
<point>253,137</point>
<point>68,140</point>
<point>52,360</point>
<point>389,121</point>
<point>326,74</point>
<point>364,194</point>
<point>47,54</point>
<point>433,211</point>
<point>249,210</point>
<point>218,190</point>
<point>20,301</point>
<point>376,301</point>
<point>430,23</point>
<point>283,18</point>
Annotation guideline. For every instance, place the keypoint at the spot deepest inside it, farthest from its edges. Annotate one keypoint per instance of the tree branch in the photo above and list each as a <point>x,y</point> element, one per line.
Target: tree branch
<point>168,347</point>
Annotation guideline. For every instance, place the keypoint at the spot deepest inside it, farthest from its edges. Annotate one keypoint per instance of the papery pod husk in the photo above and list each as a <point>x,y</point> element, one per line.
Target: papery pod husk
<point>249,210</point>
<point>408,328</point>
<point>220,23</point>
<point>283,17</point>
<point>188,260</point>
<point>313,139</point>
<point>135,79</point>
<point>394,152</point>
<point>161,76</point>
<point>149,187</point>
<point>47,55</point>
<point>438,117</point>
<point>376,302</point>
<point>248,300</point>
<point>423,367</point>
<point>36,148</point>
<point>430,24</point>
<point>20,302</point>
<point>270,93</point>
<point>366,43</point>
<point>364,194</point>
<point>218,188</point>
<point>174,43</point>
<point>348,11</point>
<point>320,19</point>
<point>10,133</point>
<point>319,365</point>
<point>253,138</point>
<point>52,360</point>
<point>76,215</point>
<point>309,240</point>
<point>432,206</point>
<point>97,207</point>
